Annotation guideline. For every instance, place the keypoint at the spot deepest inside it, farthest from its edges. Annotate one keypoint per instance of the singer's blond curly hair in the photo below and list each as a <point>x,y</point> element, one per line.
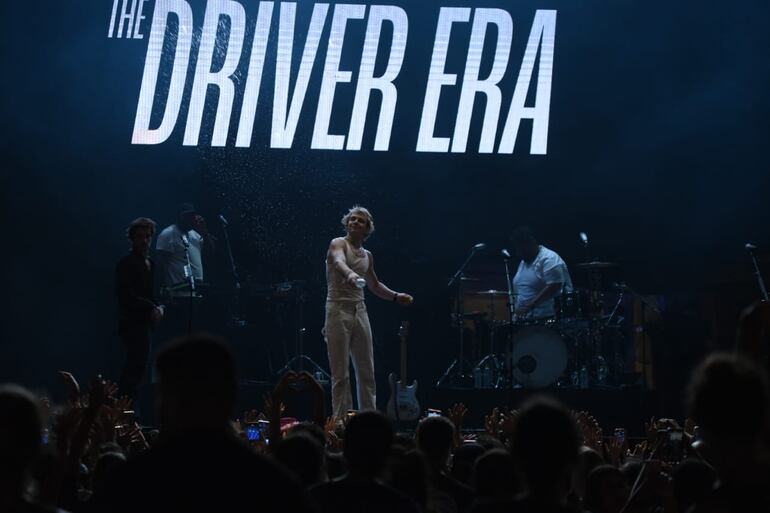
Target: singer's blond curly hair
<point>358,209</point>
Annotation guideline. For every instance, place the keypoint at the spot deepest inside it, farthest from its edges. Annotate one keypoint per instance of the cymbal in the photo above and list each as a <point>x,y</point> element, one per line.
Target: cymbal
<point>492,292</point>
<point>596,265</point>
<point>468,278</point>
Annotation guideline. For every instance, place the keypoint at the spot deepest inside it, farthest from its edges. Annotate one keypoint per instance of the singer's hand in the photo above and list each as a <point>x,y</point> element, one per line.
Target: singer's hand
<point>157,314</point>
<point>352,277</point>
<point>404,299</point>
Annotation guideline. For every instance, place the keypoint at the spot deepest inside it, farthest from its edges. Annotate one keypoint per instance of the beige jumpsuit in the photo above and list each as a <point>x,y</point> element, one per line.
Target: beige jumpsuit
<point>349,335</point>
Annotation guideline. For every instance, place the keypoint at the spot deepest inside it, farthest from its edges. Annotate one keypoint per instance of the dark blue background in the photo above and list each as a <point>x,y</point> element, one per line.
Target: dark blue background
<point>657,148</point>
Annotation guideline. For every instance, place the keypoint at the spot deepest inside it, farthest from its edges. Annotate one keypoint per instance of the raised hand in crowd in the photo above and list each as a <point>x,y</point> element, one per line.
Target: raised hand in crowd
<point>98,395</point>
<point>131,438</point>
<point>274,408</point>
<point>114,416</point>
<point>590,430</point>
<point>101,392</point>
<point>506,425</point>
<point>288,382</point>
<point>500,424</point>
<point>615,450</point>
<point>457,414</point>
<point>689,430</point>
<point>654,426</point>
<point>64,427</point>
<point>306,380</point>
<point>638,452</point>
<point>271,405</point>
<point>72,388</point>
<point>333,441</point>
<point>666,423</point>
<point>251,416</point>
<point>689,426</point>
<point>75,430</point>
<point>651,430</point>
<point>492,422</point>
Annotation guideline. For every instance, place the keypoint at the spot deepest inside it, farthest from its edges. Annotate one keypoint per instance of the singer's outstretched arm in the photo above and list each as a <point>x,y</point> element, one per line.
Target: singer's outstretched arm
<point>381,290</point>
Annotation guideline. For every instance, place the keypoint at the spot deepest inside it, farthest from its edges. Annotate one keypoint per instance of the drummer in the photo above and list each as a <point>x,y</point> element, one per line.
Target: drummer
<point>541,277</point>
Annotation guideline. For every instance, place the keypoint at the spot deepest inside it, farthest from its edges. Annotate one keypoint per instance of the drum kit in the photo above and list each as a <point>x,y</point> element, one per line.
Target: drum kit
<point>579,347</point>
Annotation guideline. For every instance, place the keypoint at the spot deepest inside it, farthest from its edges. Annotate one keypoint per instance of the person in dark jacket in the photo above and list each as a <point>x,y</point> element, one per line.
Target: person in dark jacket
<point>137,308</point>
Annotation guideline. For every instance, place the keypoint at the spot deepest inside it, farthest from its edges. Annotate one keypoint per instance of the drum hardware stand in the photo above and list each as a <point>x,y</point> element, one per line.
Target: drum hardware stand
<point>457,369</point>
<point>596,328</point>
<point>616,364</point>
<point>645,304</point>
<point>760,281</point>
<point>622,287</point>
<point>481,379</point>
<point>296,363</point>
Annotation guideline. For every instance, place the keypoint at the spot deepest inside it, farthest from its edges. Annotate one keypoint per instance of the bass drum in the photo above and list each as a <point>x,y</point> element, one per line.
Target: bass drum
<point>539,356</point>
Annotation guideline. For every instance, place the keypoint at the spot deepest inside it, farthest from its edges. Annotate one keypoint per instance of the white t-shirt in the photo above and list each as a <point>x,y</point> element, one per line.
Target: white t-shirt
<point>530,279</point>
<point>170,241</point>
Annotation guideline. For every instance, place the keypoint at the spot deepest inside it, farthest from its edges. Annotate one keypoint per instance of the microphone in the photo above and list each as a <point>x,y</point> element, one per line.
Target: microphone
<point>506,254</point>
<point>222,220</point>
<point>750,246</point>
<point>584,237</point>
<point>479,246</point>
<point>185,241</point>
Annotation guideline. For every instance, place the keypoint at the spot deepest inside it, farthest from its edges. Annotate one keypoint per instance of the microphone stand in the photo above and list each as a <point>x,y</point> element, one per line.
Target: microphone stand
<point>459,274</point>
<point>458,366</point>
<point>235,318</point>
<point>511,313</point>
<point>758,274</point>
<point>595,281</point>
<point>191,279</point>
<point>586,246</point>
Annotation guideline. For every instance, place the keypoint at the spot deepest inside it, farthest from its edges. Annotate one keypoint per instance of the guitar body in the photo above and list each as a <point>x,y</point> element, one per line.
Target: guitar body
<point>403,404</point>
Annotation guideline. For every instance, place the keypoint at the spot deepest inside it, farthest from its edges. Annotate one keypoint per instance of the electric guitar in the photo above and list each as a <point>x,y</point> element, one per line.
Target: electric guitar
<point>402,404</point>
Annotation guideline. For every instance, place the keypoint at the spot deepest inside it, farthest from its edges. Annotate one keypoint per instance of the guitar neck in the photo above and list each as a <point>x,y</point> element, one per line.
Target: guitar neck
<point>402,334</point>
<point>403,360</point>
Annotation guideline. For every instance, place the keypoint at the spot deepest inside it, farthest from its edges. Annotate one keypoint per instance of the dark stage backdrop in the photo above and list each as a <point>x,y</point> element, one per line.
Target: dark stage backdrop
<point>657,132</point>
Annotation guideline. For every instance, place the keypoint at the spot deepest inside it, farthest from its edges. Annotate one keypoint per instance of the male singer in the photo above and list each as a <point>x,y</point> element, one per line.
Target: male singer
<point>350,267</point>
